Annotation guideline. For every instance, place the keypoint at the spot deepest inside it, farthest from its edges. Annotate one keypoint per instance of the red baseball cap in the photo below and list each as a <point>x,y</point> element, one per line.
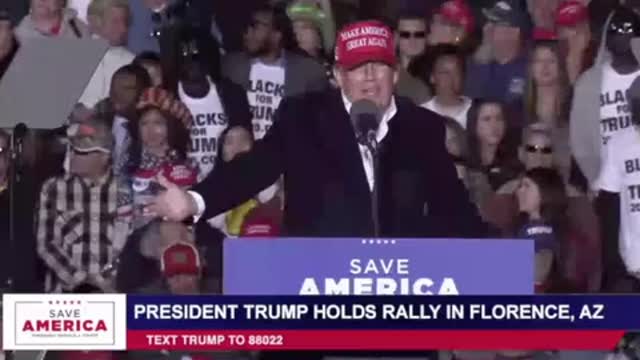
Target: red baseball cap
<point>571,13</point>
<point>260,227</point>
<point>363,42</point>
<point>458,12</point>
<point>181,175</point>
<point>180,258</point>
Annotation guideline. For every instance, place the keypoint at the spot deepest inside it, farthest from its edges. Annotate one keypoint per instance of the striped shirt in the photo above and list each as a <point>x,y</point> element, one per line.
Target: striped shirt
<point>76,229</point>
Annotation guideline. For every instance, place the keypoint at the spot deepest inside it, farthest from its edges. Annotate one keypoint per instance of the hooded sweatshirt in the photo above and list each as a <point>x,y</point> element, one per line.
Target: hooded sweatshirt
<point>585,125</point>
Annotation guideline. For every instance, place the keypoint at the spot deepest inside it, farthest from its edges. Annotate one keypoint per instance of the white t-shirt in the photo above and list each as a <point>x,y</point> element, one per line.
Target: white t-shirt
<point>620,173</point>
<point>80,6</point>
<point>457,113</point>
<point>265,93</point>
<point>615,115</point>
<point>209,121</point>
<point>100,82</point>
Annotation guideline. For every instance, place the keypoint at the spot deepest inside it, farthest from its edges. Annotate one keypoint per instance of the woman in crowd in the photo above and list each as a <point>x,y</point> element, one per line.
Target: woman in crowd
<point>490,152</point>
<point>548,99</point>
<point>50,18</point>
<point>500,210</point>
<point>446,79</point>
<point>542,203</point>
<point>314,30</point>
<point>574,29</point>
<point>159,140</point>
<point>476,182</point>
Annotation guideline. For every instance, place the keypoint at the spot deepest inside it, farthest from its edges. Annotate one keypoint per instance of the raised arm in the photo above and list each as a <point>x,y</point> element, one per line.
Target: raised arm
<point>238,181</point>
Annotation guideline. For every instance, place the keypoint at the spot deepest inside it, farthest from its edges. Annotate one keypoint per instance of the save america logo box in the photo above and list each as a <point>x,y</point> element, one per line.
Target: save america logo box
<point>64,321</point>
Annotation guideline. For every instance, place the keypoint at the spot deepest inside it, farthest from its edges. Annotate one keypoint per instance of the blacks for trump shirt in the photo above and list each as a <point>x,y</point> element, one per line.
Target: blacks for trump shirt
<point>615,112</point>
<point>621,174</point>
<point>209,121</point>
<point>265,93</point>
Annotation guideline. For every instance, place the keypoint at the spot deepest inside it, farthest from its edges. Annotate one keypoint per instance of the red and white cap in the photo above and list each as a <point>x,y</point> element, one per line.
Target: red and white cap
<point>365,41</point>
<point>458,12</point>
<point>260,227</point>
<point>180,258</point>
<point>571,13</point>
<point>181,175</point>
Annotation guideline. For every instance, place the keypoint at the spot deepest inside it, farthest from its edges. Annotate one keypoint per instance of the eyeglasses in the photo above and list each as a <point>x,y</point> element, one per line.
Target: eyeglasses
<point>538,149</point>
<point>413,34</point>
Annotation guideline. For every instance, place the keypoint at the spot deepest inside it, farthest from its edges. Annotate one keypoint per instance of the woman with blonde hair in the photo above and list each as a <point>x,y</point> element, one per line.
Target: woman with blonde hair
<point>547,99</point>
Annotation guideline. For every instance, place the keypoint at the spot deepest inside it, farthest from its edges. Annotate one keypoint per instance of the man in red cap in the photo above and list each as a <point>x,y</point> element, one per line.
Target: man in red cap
<point>572,22</point>
<point>335,169</point>
<point>452,24</point>
<point>180,265</point>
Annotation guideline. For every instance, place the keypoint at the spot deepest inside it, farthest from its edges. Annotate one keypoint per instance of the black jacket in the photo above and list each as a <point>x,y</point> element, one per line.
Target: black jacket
<point>312,142</point>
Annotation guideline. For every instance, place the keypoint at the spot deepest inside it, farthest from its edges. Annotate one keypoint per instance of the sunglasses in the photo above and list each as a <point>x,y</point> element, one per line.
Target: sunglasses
<point>411,34</point>
<point>4,151</point>
<point>538,149</point>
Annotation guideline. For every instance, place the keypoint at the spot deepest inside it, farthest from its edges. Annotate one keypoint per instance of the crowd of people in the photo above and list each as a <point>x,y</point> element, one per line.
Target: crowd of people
<point>538,101</point>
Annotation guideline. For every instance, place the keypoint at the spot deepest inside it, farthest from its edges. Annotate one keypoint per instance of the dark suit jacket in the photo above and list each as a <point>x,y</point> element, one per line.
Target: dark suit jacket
<point>312,142</point>
<point>302,74</point>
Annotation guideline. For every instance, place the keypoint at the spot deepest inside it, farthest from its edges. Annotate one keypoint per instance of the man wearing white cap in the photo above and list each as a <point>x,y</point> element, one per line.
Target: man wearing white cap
<point>332,183</point>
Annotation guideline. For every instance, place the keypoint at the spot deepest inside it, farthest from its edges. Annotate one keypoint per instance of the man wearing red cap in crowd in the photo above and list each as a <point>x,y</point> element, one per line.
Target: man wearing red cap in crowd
<point>572,22</point>
<point>329,171</point>
<point>453,23</point>
<point>180,265</point>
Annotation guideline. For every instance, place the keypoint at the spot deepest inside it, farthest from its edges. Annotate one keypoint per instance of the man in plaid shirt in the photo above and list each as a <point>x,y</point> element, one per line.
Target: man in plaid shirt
<point>77,215</point>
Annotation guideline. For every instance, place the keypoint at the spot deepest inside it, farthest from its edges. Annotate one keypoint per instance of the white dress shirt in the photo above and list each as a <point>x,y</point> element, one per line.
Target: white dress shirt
<point>383,129</point>
<point>367,158</point>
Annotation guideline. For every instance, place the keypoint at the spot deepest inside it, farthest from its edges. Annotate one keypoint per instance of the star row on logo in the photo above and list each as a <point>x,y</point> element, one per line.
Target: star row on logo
<point>64,302</point>
<point>378,242</point>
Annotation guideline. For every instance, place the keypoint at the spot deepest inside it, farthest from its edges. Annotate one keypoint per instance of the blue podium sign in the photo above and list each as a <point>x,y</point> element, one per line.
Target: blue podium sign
<point>347,266</point>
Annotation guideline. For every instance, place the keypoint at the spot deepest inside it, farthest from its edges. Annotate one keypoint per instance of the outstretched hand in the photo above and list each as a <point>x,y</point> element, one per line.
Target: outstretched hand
<point>173,203</point>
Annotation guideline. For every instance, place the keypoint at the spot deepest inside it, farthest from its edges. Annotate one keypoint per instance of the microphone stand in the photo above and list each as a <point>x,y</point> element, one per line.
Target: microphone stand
<point>372,145</point>
<point>15,154</point>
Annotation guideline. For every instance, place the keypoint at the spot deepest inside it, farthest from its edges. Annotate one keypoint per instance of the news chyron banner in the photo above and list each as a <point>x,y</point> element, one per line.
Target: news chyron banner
<point>336,266</point>
<point>248,323</point>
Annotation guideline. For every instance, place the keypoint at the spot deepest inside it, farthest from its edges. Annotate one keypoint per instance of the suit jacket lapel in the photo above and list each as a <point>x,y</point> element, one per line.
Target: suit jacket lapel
<point>243,69</point>
<point>339,140</point>
<point>290,78</point>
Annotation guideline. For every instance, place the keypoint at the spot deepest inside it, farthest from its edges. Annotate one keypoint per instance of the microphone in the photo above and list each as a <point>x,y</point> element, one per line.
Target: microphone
<point>365,119</point>
<point>19,132</point>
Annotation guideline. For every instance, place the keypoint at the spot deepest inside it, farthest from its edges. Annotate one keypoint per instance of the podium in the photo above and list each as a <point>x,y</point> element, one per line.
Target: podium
<point>352,266</point>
